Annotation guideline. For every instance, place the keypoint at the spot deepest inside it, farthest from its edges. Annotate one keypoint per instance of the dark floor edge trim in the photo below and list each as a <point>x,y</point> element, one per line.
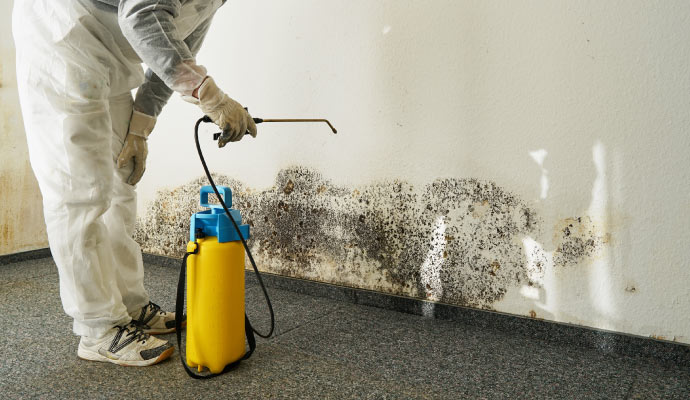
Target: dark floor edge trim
<point>582,336</point>
<point>7,259</point>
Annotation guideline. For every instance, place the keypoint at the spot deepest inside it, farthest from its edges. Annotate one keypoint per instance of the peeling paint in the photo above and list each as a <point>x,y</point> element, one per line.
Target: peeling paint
<point>457,241</point>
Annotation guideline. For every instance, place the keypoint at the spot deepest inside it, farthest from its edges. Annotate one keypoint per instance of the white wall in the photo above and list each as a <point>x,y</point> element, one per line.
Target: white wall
<point>578,108</point>
<point>21,218</point>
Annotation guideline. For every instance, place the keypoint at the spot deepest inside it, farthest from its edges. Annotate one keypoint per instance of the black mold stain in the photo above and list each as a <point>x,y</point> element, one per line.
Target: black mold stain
<point>289,187</point>
<point>578,240</point>
<point>456,240</point>
<point>482,224</point>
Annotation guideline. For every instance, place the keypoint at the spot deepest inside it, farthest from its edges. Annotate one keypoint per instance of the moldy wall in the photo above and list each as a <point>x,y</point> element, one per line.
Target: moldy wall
<point>525,157</point>
<point>21,217</point>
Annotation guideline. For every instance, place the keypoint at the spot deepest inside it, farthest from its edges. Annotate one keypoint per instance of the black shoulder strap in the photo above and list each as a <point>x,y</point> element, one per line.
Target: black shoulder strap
<point>179,309</point>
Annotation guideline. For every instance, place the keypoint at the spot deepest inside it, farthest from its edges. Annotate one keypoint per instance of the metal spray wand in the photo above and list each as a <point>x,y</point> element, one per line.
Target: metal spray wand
<point>262,120</point>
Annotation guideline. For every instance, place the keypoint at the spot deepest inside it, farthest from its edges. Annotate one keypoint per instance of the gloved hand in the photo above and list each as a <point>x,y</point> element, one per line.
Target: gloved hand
<point>228,114</point>
<point>135,148</point>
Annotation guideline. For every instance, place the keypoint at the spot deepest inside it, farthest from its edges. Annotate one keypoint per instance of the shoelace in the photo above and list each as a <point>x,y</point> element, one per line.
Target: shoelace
<point>147,313</point>
<point>137,332</point>
<point>155,308</point>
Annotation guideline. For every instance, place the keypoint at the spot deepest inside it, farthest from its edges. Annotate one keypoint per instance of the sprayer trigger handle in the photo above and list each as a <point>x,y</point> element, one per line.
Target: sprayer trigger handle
<point>217,135</point>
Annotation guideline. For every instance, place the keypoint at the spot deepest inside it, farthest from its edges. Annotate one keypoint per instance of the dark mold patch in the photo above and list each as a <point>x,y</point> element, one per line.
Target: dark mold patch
<point>484,223</point>
<point>289,187</point>
<point>578,238</point>
<point>456,240</point>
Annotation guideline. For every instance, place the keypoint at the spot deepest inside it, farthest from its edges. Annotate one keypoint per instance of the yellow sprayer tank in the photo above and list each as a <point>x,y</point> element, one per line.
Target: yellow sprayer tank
<point>215,287</point>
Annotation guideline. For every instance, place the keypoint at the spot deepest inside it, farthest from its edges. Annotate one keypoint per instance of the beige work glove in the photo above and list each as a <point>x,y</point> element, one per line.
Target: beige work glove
<point>135,148</point>
<point>228,114</point>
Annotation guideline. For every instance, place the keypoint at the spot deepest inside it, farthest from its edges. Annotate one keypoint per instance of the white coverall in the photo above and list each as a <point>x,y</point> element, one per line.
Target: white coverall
<point>77,62</point>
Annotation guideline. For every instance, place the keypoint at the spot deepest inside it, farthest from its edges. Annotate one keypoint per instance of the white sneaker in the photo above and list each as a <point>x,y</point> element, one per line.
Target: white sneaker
<point>125,345</point>
<point>155,321</point>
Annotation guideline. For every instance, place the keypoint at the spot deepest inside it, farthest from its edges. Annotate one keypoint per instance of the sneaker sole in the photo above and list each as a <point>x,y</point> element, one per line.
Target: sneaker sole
<point>93,356</point>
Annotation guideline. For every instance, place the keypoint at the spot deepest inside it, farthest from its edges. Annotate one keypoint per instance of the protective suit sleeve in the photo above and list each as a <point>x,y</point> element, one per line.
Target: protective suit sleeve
<point>149,27</point>
<point>154,93</point>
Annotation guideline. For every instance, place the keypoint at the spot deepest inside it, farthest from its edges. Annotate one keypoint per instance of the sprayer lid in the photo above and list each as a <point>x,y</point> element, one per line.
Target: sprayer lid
<point>214,222</point>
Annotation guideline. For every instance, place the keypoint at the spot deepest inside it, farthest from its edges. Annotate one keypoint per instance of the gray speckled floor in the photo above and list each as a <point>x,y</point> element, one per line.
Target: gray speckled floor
<point>323,349</point>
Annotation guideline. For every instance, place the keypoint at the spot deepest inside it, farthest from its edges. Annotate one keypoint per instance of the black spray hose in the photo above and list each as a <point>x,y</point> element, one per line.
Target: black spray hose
<point>237,228</point>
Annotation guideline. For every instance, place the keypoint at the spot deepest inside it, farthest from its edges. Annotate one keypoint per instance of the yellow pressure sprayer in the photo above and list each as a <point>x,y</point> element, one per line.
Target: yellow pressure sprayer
<point>213,266</point>
<point>215,324</point>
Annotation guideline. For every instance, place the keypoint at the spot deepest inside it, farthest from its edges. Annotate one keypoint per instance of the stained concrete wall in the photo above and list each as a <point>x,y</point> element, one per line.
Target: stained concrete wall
<point>21,218</point>
<point>528,158</point>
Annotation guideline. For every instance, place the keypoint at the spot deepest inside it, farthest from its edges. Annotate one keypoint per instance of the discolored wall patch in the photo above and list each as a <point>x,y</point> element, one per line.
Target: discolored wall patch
<point>458,241</point>
<point>578,238</point>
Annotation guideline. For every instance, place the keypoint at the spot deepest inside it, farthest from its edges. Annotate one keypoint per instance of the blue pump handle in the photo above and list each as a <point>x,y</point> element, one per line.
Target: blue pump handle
<point>223,190</point>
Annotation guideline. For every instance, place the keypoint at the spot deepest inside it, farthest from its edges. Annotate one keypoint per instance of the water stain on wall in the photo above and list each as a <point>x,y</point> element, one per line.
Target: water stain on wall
<point>456,240</point>
<point>578,238</point>
<point>20,207</point>
<point>20,201</point>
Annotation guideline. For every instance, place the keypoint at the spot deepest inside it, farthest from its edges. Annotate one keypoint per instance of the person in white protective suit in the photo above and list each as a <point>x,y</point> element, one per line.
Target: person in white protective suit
<point>77,63</point>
